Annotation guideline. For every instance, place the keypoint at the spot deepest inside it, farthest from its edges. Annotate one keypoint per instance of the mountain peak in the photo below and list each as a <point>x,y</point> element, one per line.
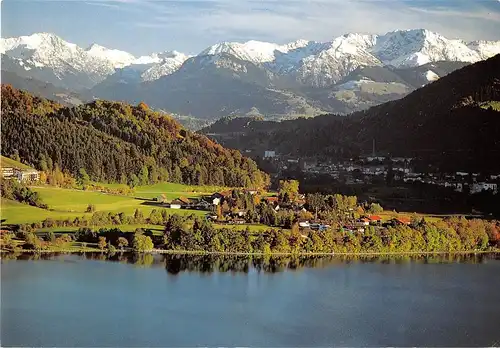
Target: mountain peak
<point>317,64</point>
<point>118,58</point>
<point>96,47</point>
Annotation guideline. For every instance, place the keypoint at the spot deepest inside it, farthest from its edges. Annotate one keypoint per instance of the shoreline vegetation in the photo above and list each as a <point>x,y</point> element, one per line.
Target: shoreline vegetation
<point>242,222</point>
<point>223,253</point>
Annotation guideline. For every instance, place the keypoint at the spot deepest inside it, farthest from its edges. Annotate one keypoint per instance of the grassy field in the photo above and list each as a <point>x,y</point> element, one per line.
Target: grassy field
<point>17,213</point>
<point>388,215</point>
<point>172,190</point>
<point>71,203</point>
<point>68,203</point>
<point>8,162</point>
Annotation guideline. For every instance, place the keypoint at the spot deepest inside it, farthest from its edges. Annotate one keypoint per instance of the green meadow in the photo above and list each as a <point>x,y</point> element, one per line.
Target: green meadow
<point>13,212</point>
<point>9,162</point>
<point>172,190</point>
<point>70,203</point>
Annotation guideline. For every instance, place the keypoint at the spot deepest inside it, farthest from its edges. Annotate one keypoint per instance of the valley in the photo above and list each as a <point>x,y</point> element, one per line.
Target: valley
<point>250,173</point>
<point>120,168</point>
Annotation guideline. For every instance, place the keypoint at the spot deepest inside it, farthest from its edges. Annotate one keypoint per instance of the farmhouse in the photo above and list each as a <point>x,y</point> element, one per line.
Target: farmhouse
<point>176,204</point>
<point>374,219</point>
<point>272,199</point>
<point>401,221</point>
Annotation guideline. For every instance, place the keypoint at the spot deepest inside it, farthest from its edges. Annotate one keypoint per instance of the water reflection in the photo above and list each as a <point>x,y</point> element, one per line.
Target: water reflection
<point>176,263</point>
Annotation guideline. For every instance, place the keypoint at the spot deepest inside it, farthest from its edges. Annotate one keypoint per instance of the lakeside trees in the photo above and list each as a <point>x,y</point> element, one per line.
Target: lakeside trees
<point>449,235</point>
<point>342,230</point>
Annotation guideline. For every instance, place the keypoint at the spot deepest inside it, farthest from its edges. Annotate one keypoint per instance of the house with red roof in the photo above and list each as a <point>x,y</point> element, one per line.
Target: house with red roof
<point>402,220</point>
<point>271,199</point>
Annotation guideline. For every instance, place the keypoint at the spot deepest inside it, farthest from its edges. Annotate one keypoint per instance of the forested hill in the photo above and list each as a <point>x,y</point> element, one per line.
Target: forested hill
<point>453,123</point>
<point>116,142</point>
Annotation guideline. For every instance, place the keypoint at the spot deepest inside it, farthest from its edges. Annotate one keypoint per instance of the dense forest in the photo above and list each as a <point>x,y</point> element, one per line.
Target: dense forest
<point>116,142</point>
<point>452,123</point>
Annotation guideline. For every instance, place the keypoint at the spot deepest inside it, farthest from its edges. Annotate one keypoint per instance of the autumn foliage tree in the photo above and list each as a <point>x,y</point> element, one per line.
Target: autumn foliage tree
<point>115,142</point>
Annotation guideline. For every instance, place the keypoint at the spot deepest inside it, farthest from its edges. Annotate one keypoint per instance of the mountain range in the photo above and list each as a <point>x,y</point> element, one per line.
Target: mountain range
<point>452,124</point>
<point>349,73</point>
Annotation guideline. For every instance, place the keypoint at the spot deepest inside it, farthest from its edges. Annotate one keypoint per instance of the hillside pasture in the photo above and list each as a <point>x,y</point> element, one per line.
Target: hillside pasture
<point>9,162</point>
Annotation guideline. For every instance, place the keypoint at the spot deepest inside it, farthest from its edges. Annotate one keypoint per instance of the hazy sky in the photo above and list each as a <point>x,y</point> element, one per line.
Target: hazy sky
<point>142,27</point>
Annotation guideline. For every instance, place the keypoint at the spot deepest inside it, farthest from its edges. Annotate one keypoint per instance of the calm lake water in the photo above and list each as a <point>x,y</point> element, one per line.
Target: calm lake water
<point>74,300</point>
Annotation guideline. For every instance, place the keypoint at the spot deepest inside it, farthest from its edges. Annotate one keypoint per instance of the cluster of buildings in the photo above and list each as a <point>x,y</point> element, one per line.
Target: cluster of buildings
<point>374,220</point>
<point>203,203</point>
<point>375,169</point>
<point>21,175</point>
<point>460,181</point>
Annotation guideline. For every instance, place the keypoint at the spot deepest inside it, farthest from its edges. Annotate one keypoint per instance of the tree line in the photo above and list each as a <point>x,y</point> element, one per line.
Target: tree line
<point>448,235</point>
<point>11,189</point>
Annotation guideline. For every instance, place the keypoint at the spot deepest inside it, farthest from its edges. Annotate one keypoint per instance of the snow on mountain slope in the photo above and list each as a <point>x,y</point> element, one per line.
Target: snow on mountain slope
<point>166,64</point>
<point>408,48</point>
<point>431,76</point>
<point>299,63</point>
<point>319,64</point>
<point>149,68</point>
<point>485,49</point>
<point>74,67</point>
<point>118,58</point>
<point>252,51</point>
<point>337,59</point>
<point>50,51</point>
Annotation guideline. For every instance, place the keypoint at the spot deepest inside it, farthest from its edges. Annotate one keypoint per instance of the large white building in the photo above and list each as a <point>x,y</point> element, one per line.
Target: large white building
<point>22,175</point>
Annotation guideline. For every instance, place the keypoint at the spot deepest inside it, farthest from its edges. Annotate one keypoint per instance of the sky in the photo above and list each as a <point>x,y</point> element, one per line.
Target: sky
<point>145,26</point>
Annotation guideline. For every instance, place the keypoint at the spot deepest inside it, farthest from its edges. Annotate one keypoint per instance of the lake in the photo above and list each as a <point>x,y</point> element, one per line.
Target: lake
<point>168,300</point>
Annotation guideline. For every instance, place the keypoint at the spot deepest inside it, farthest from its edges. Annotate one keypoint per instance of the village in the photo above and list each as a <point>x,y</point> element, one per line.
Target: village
<point>231,208</point>
<point>378,169</point>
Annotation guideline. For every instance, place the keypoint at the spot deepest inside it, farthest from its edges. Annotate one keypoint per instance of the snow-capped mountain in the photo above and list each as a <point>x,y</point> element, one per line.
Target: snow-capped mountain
<point>150,68</point>
<point>118,58</point>
<point>49,58</point>
<point>350,72</point>
<point>322,64</point>
<point>410,48</point>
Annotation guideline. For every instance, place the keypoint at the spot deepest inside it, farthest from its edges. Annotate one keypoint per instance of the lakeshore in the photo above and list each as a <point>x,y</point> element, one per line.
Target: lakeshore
<point>194,252</point>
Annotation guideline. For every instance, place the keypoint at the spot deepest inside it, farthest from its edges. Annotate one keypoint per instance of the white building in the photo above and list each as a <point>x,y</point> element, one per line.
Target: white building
<point>269,154</point>
<point>27,175</point>
<point>457,186</point>
<point>484,186</point>
<point>304,224</point>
